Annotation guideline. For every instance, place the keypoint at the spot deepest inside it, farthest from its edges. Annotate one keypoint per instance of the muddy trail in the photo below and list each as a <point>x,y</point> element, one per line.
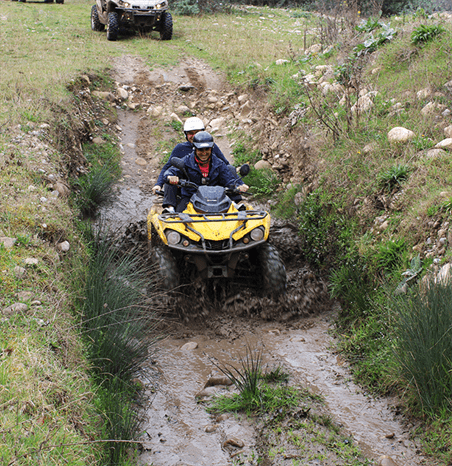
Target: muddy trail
<point>205,331</point>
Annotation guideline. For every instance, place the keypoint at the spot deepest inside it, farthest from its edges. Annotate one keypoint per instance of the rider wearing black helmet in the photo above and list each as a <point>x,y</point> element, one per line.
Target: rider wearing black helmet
<point>201,167</point>
<point>192,126</point>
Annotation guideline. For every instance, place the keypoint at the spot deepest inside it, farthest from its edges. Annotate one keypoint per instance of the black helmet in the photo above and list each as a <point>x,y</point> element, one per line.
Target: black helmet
<point>203,139</point>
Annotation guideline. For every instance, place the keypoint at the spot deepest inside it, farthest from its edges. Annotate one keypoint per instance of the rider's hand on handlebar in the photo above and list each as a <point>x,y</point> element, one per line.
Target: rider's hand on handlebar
<point>243,188</point>
<point>156,188</point>
<point>173,179</point>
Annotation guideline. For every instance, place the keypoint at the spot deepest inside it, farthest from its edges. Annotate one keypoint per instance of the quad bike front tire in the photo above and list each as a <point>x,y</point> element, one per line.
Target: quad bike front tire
<point>166,28</point>
<point>112,26</point>
<point>273,272</point>
<point>96,25</point>
<point>167,267</point>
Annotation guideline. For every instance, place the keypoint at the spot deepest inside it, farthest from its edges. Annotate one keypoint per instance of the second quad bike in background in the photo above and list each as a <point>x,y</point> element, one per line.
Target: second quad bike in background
<point>140,15</point>
<point>215,238</point>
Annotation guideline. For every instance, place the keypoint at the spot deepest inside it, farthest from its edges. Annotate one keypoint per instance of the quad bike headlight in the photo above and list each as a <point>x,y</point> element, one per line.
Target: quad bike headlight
<point>124,4</point>
<point>257,234</point>
<point>173,237</point>
<point>161,5</point>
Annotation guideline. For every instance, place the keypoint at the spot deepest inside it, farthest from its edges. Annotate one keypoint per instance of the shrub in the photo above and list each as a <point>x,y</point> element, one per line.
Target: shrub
<point>186,8</point>
<point>424,34</point>
<point>423,344</point>
<point>393,178</point>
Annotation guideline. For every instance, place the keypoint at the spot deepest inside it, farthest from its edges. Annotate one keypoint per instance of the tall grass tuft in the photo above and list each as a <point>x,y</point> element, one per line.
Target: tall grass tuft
<point>119,327</point>
<point>94,189</point>
<point>114,314</point>
<point>246,377</point>
<point>423,344</point>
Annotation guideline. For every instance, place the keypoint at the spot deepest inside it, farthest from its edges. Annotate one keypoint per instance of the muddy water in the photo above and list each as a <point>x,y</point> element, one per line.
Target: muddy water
<point>176,424</point>
<point>177,429</point>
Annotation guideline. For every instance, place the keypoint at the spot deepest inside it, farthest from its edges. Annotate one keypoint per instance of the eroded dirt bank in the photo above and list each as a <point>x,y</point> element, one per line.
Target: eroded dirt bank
<point>292,332</point>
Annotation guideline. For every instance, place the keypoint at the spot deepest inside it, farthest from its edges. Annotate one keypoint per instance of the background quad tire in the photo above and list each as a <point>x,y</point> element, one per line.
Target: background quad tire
<point>166,28</point>
<point>273,271</point>
<point>112,26</point>
<point>96,25</point>
<point>167,267</point>
<point>59,1</point>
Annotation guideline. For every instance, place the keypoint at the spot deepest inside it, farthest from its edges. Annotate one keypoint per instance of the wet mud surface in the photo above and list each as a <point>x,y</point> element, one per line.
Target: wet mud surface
<point>202,328</point>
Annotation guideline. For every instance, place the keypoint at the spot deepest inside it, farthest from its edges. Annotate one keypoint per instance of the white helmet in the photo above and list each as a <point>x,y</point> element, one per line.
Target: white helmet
<point>193,124</point>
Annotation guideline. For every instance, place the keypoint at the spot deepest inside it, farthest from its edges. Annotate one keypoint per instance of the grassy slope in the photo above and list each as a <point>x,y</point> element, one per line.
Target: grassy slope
<point>45,46</point>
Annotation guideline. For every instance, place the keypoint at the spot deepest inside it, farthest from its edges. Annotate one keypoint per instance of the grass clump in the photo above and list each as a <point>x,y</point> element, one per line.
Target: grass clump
<point>96,187</point>
<point>423,346</point>
<point>425,33</point>
<point>117,325</point>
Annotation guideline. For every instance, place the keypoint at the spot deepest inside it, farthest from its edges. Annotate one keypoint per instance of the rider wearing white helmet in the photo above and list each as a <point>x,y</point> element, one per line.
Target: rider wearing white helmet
<point>192,126</point>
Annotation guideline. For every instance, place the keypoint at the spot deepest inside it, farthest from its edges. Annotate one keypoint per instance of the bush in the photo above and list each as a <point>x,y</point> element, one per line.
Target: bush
<point>424,34</point>
<point>423,345</point>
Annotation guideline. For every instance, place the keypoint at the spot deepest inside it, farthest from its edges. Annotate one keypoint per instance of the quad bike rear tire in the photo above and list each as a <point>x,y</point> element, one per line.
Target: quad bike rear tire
<point>273,272</point>
<point>112,26</point>
<point>167,267</point>
<point>96,25</point>
<point>166,28</point>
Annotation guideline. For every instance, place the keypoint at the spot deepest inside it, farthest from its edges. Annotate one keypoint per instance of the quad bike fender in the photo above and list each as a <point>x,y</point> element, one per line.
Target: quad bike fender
<point>102,11</point>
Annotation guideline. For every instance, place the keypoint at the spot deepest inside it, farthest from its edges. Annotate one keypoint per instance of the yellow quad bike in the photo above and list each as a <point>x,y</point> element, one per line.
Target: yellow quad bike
<point>215,239</point>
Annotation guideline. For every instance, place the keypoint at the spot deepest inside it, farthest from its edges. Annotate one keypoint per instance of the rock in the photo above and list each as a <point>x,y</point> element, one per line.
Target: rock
<point>64,246</point>
<point>448,131</point>
<point>242,98</point>
<point>218,380</point>
<point>98,140</point>
<point>281,61</point>
<point>217,123</point>
<point>316,48</point>
<point>25,295</point>
<point>234,442</point>
<point>182,109</point>
<point>245,109</point>
<point>140,161</point>
<point>189,346</point>
<point>372,147</point>
<point>386,461</point>
<point>431,108</point>
<point>15,308</point>
<point>31,261</point>
<point>400,134</point>
<point>424,93</point>
<point>210,429</point>
<point>186,87</point>
<point>155,111</point>
<point>435,153</point>
<point>364,104</point>
<point>62,189</point>
<point>19,271</point>
<point>222,417</point>
<point>122,93</point>
<point>261,164</point>
<point>444,144</point>
<point>174,117</point>
<point>8,243</point>
<point>104,95</point>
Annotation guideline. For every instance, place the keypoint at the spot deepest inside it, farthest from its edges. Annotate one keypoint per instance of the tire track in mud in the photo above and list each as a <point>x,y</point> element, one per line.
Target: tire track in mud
<point>293,331</point>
